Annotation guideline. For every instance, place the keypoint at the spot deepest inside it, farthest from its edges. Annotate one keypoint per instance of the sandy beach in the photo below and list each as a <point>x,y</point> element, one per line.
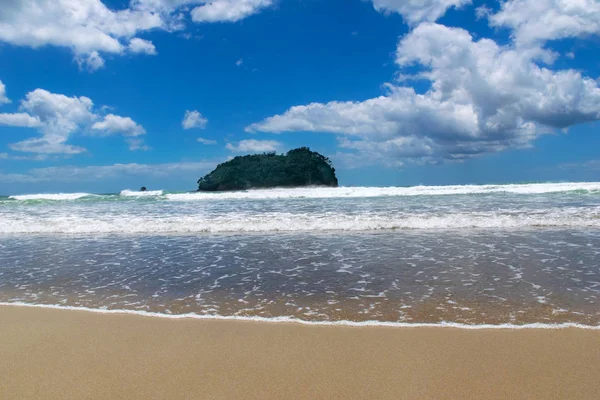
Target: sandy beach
<point>61,354</point>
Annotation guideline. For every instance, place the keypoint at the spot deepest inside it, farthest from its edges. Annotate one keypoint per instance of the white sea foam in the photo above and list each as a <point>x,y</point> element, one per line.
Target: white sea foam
<point>131,193</point>
<point>353,192</point>
<point>341,192</point>
<point>51,196</point>
<point>293,222</point>
<point>293,320</point>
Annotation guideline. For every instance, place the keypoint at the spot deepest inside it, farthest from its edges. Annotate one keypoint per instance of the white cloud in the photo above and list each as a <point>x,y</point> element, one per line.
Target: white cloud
<point>483,98</point>
<point>254,146</point>
<point>137,45</point>
<point>193,119</point>
<point>162,6</point>
<point>136,144</point>
<point>416,11</point>
<point>115,124</point>
<point>23,120</point>
<point>49,144</point>
<point>482,12</point>
<point>239,62</point>
<point>206,141</point>
<point>72,173</point>
<point>228,10</point>
<point>86,26</point>
<point>206,10</point>
<point>91,30</point>
<point>58,113</point>
<point>37,157</point>
<point>536,21</point>
<point>57,117</point>
<point>502,83</point>
<point>393,150</point>
<point>3,98</point>
<point>91,62</point>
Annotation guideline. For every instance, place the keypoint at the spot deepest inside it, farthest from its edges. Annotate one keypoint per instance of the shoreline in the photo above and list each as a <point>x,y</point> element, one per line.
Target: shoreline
<point>66,354</point>
<point>295,321</point>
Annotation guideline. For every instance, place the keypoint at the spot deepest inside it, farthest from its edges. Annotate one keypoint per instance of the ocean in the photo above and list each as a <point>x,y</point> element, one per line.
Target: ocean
<point>506,256</point>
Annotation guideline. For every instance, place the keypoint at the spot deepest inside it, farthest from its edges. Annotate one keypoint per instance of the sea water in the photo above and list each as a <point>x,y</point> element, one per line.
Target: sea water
<point>473,256</point>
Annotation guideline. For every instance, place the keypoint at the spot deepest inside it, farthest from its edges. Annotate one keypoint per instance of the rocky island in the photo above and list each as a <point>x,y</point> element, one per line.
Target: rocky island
<point>297,168</point>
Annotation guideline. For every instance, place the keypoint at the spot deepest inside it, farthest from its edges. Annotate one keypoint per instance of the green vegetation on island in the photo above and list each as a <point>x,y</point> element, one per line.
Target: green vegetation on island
<point>299,167</point>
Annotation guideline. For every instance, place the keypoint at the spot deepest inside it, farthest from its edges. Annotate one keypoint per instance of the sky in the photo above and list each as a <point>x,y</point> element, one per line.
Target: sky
<point>104,95</point>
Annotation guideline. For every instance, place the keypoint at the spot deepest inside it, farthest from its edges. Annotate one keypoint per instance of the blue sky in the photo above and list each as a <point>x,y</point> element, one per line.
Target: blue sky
<point>99,95</point>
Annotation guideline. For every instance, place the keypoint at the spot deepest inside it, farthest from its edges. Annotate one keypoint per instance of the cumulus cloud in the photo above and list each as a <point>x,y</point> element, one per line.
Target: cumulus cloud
<point>228,10</point>
<point>57,117</point>
<point>503,83</point>
<point>86,26</point>
<point>92,30</point>
<point>57,111</point>
<point>483,98</point>
<point>3,98</point>
<point>254,146</point>
<point>22,120</point>
<point>193,119</point>
<point>206,141</point>
<point>416,11</point>
<point>137,45</point>
<point>536,21</point>
<point>114,124</point>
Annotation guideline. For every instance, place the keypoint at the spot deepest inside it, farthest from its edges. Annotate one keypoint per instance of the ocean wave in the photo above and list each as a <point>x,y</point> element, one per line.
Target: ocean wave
<point>332,193</point>
<point>52,196</point>
<point>296,222</point>
<point>365,192</point>
<point>147,193</point>
<point>293,320</point>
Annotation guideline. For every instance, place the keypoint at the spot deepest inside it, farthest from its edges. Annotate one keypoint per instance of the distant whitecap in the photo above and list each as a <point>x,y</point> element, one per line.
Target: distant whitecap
<point>51,196</point>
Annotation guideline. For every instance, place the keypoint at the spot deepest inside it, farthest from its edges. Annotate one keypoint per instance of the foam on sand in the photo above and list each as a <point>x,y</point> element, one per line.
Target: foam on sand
<point>303,322</point>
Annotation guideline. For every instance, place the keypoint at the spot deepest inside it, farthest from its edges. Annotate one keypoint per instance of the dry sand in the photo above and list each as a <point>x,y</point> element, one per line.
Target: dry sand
<point>56,354</point>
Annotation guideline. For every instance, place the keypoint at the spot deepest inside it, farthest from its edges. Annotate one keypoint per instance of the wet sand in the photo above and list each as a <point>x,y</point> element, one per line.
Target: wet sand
<point>56,354</point>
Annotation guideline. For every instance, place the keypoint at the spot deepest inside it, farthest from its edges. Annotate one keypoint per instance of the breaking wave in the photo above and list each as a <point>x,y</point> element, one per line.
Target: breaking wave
<point>52,196</point>
<point>362,192</point>
<point>327,193</point>
<point>293,222</point>
<point>147,193</point>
